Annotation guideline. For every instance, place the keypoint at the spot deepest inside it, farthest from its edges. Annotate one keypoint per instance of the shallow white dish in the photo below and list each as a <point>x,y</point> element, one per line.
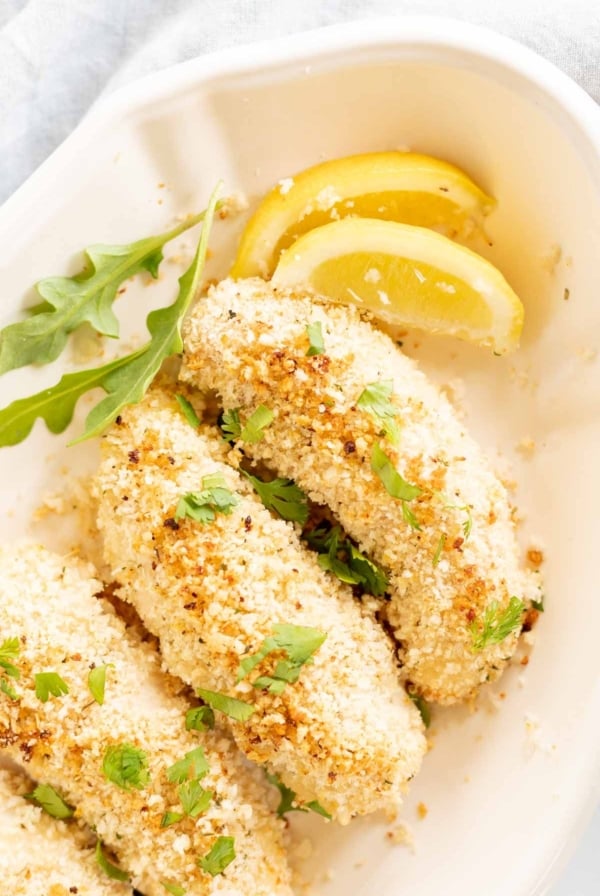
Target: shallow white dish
<point>507,790</point>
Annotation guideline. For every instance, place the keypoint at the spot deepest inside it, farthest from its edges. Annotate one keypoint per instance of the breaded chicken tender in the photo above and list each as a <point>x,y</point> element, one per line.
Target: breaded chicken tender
<point>213,591</point>
<point>113,760</point>
<point>42,856</point>
<point>357,426</point>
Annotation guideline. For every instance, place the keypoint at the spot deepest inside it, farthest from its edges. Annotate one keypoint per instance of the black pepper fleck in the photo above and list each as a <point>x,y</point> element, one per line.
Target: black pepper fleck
<point>134,456</point>
<point>119,420</point>
<point>231,314</point>
<point>349,447</point>
<point>248,523</point>
<point>171,523</point>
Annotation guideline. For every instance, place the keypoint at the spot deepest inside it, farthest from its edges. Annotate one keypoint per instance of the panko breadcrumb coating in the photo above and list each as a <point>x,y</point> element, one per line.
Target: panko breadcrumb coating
<point>42,856</point>
<point>47,602</point>
<point>250,343</point>
<point>345,733</point>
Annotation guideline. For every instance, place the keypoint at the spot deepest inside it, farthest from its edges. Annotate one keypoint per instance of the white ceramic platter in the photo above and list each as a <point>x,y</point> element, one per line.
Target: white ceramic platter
<point>506,789</point>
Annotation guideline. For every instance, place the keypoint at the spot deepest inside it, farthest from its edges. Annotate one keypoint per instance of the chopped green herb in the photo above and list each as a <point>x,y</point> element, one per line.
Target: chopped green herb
<point>497,624</point>
<point>199,719</point>
<point>422,706</point>
<point>467,524</point>
<point>170,818</point>
<point>395,484</point>
<point>230,425</point>
<point>375,399</point>
<point>124,380</point>
<point>174,889</point>
<point>97,682</point>
<point>9,650</point>
<point>439,549</point>
<point>203,506</point>
<point>187,409</point>
<point>229,706</point>
<point>315,337</point>
<point>109,869</point>
<point>194,798</point>
<point>126,766</point>
<point>339,556</point>
<point>193,765</point>
<point>298,642</point>
<point>52,803</point>
<point>282,496</point>
<point>288,801</point>
<point>220,856</point>
<point>538,605</point>
<point>87,297</point>
<point>47,683</point>
<point>256,424</point>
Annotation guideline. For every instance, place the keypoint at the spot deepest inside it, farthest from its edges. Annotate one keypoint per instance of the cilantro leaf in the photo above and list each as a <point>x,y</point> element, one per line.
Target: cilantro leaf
<point>315,337</point>
<point>124,380</point>
<point>201,718</point>
<point>497,624</point>
<point>187,409</point>
<point>47,683</point>
<point>375,399</point>
<point>109,869</point>
<point>87,297</point>
<point>394,483</point>
<point>467,524</point>
<point>174,889</point>
<point>51,801</point>
<point>255,425</point>
<point>282,496</point>
<point>288,801</point>
<point>298,642</point>
<point>97,682</point>
<point>9,650</point>
<point>170,818</point>
<point>203,506</point>
<point>339,556</point>
<point>221,854</point>
<point>438,551</point>
<point>231,425</point>
<point>126,766</point>
<point>538,605</point>
<point>422,706</point>
<point>193,765</point>
<point>194,798</point>
<point>229,706</point>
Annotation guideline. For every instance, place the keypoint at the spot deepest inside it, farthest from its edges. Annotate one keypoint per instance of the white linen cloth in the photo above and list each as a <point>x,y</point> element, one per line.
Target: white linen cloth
<point>58,56</point>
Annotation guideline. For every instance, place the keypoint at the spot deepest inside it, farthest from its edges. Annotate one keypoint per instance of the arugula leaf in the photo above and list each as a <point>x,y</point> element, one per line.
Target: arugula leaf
<point>288,801</point>
<point>222,854</point>
<point>126,766</point>
<point>194,764</point>
<point>339,556</point>
<point>282,496</point>
<point>298,642</point>
<point>229,706</point>
<point>204,505</point>
<point>257,422</point>
<point>125,380</point>
<point>47,683</point>
<point>497,624</point>
<point>187,409</point>
<point>174,889</point>
<point>86,297</point>
<point>194,798</point>
<point>315,337</point>
<point>109,869</point>
<point>51,801</point>
<point>97,682</point>
<point>201,718</point>
<point>9,650</point>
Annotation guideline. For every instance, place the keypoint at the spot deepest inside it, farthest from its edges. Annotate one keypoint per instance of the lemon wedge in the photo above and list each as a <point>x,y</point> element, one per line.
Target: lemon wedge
<point>406,276</point>
<point>394,186</point>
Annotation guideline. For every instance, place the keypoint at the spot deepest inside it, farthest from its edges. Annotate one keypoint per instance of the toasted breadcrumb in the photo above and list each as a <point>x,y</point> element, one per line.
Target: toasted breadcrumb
<point>42,856</point>
<point>248,342</point>
<point>48,603</point>
<point>345,734</point>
